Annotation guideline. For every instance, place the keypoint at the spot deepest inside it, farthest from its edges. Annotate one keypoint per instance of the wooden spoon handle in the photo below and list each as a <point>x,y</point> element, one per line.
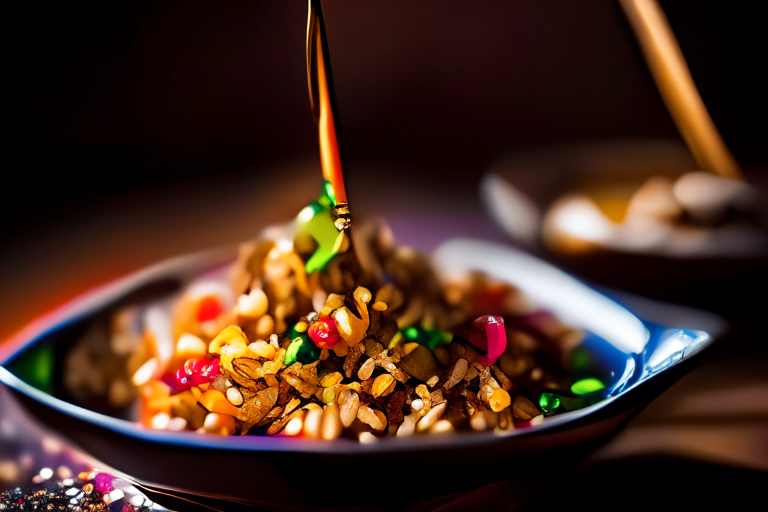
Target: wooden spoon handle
<point>673,78</point>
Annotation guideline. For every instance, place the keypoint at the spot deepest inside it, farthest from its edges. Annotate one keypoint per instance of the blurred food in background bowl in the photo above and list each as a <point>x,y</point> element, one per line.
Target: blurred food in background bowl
<point>635,215</point>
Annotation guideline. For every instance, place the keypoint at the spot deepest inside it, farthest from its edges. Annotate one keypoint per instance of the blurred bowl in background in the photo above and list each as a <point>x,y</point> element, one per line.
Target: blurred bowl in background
<point>635,215</point>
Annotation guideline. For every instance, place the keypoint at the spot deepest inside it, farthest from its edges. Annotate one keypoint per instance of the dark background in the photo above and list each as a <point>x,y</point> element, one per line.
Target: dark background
<point>111,96</point>
<point>122,111</point>
<point>140,130</point>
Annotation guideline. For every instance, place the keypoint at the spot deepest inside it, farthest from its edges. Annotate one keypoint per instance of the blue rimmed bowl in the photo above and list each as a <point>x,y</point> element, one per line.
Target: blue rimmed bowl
<point>636,346</point>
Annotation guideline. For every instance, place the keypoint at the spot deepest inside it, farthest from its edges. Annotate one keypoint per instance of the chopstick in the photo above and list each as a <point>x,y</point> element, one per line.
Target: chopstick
<point>678,90</point>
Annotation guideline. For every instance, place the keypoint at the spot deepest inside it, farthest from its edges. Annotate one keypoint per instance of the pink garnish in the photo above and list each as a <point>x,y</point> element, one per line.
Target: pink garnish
<point>103,482</point>
<point>489,335</point>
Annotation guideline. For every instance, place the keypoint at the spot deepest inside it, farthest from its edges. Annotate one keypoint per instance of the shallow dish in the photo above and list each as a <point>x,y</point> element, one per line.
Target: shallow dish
<point>638,347</point>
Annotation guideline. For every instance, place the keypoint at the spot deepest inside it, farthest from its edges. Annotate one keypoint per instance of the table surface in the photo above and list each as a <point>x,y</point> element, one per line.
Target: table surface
<point>707,431</point>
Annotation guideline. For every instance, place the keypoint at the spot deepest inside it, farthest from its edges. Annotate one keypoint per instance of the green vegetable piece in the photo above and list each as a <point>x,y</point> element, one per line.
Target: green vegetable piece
<point>308,352</point>
<point>303,350</point>
<point>549,402</point>
<point>587,386</point>
<point>35,367</point>
<point>316,221</point>
<point>428,338</point>
<point>293,351</point>
<point>328,196</point>
<point>552,402</point>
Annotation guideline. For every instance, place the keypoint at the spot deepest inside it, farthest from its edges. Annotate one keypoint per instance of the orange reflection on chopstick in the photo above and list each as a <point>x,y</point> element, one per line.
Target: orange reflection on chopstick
<point>321,100</point>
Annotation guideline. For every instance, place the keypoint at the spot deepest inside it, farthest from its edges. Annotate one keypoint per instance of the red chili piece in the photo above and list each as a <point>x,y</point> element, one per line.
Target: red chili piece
<point>195,372</point>
<point>211,370</point>
<point>324,333</point>
<point>195,365</point>
<point>178,381</point>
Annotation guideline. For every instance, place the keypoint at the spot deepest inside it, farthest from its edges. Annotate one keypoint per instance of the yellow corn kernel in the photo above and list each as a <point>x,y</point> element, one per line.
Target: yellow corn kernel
<point>331,379</point>
<point>232,335</point>
<point>380,306</point>
<point>263,349</point>
<point>499,400</point>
